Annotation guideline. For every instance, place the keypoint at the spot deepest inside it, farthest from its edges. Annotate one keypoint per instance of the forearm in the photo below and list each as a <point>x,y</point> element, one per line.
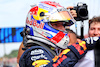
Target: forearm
<point>69,57</point>
<point>20,52</point>
<point>66,59</point>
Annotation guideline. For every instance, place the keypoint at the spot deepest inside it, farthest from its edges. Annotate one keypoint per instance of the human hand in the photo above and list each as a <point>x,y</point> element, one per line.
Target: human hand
<point>91,42</point>
<point>73,12</point>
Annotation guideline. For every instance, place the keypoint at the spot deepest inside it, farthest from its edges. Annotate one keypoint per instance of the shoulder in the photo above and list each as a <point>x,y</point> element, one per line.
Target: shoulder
<point>33,54</point>
<point>36,51</point>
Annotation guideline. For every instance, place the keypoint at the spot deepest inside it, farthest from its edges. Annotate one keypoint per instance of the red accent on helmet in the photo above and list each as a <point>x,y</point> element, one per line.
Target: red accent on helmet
<point>54,4</point>
<point>34,10</point>
<point>57,37</point>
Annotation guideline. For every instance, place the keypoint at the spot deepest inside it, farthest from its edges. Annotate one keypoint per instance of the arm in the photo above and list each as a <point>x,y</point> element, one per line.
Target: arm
<point>88,60</point>
<point>20,52</point>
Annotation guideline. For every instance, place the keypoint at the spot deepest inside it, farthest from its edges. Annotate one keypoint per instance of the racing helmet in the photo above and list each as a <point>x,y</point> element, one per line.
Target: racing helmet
<point>38,23</point>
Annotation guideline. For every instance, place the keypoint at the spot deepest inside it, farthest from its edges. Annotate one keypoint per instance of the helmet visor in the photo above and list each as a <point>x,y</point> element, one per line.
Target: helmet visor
<point>62,16</point>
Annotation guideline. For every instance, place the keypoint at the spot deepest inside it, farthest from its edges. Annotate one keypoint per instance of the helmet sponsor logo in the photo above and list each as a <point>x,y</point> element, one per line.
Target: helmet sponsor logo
<point>46,7</point>
<point>41,25</point>
<point>54,41</point>
<point>29,22</point>
<point>34,10</point>
<point>34,23</point>
<point>62,9</point>
<point>49,36</point>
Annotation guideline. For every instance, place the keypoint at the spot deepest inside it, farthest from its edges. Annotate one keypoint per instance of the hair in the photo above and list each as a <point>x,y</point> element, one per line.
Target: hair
<point>94,20</point>
<point>71,31</point>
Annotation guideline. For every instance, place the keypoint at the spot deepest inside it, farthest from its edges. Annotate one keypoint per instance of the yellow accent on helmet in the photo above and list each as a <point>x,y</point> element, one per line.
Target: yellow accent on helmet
<point>38,14</point>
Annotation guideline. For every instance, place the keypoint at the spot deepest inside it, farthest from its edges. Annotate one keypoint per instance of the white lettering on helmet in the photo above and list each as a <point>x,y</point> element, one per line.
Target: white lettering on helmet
<point>49,8</point>
<point>62,9</point>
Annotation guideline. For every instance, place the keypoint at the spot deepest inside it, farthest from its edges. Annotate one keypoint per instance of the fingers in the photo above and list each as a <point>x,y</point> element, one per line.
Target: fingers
<point>70,7</point>
<point>73,12</point>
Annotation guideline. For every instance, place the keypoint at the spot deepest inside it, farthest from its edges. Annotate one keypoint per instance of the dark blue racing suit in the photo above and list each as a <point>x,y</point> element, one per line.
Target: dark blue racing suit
<point>40,56</point>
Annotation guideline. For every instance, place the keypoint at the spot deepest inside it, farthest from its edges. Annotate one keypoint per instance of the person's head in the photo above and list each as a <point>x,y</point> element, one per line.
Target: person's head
<point>94,26</point>
<point>46,23</point>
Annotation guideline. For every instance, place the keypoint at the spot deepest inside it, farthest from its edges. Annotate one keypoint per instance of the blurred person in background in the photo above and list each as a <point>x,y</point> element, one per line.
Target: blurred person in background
<point>94,31</point>
<point>94,27</point>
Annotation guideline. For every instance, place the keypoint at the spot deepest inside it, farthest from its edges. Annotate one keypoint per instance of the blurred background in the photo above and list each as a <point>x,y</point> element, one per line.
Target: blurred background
<point>12,20</point>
